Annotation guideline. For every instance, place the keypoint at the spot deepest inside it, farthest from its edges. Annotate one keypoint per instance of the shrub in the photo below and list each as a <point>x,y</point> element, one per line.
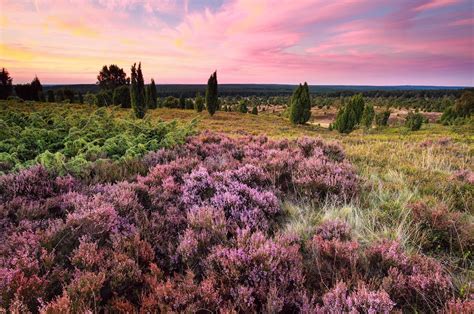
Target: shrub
<point>121,96</point>
<point>368,116</point>
<point>381,118</point>
<point>254,110</point>
<point>212,100</point>
<point>300,109</point>
<point>199,103</point>
<point>243,106</point>
<point>413,121</point>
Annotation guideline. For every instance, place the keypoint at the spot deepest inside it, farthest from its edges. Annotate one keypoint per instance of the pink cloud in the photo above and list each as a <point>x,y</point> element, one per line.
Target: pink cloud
<point>320,41</point>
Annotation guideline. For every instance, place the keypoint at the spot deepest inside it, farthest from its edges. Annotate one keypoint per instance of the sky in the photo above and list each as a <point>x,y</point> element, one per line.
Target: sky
<point>326,42</point>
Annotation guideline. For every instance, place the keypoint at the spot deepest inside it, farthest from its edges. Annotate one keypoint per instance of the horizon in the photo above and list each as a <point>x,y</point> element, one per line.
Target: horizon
<point>326,43</point>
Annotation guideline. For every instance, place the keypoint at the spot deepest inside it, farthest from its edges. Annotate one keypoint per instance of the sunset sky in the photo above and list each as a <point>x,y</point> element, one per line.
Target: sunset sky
<point>358,42</point>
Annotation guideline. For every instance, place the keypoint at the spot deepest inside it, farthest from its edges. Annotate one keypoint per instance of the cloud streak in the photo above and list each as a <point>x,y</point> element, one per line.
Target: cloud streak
<point>319,41</point>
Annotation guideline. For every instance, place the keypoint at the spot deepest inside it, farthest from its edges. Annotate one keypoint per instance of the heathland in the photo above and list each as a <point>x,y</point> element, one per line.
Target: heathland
<point>182,211</point>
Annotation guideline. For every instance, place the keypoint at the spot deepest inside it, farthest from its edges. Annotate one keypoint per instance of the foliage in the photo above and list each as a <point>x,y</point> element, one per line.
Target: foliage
<point>121,96</point>
<point>199,103</point>
<point>243,106</point>
<point>50,96</point>
<point>463,108</point>
<point>368,116</point>
<point>300,109</point>
<point>171,102</point>
<point>104,98</point>
<point>211,94</point>
<point>188,103</point>
<point>137,91</point>
<point>414,120</point>
<point>182,102</point>
<point>111,77</point>
<point>381,118</point>
<point>152,95</point>
<point>6,87</point>
<point>72,138</point>
<point>254,110</point>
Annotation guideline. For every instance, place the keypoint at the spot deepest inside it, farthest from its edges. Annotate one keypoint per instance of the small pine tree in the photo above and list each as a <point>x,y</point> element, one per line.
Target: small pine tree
<point>368,116</point>
<point>212,100</point>
<point>300,107</point>
<point>345,119</point>
<point>188,103</point>
<point>137,91</point>
<point>199,103</point>
<point>357,102</point>
<point>80,98</point>
<point>36,88</point>
<point>254,110</point>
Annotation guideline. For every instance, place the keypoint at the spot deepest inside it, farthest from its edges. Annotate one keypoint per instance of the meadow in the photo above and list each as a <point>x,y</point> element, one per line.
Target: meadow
<point>186,212</point>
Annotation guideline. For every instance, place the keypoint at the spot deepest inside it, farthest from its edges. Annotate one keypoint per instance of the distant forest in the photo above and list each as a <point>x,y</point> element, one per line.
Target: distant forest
<point>190,90</point>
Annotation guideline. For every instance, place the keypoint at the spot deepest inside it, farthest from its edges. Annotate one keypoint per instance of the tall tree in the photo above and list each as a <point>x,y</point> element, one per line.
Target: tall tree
<point>153,94</point>
<point>36,88</point>
<point>137,91</point>
<point>6,86</point>
<point>212,100</point>
<point>110,77</point>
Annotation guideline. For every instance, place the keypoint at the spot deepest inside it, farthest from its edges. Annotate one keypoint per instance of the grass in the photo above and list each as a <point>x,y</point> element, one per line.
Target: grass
<point>397,167</point>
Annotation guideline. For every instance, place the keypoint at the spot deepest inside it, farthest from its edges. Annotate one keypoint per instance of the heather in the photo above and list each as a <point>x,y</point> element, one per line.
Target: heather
<point>206,227</point>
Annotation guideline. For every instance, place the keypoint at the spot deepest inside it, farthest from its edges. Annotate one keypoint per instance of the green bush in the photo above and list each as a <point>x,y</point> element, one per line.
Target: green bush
<point>413,121</point>
<point>199,103</point>
<point>68,139</point>
<point>121,96</point>
<point>254,110</point>
<point>381,118</point>
<point>243,106</point>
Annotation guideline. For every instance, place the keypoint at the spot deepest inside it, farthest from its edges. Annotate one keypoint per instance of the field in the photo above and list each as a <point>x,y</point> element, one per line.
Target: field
<point>234,212</point>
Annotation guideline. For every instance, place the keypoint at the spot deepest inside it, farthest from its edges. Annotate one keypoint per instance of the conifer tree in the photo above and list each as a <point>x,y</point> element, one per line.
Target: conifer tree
<point>137,91</point>
<point>199,103</point>
<point>357,102</point>
<point>300,105</point>
<point>36,88</point>
<point>368,116</point>
<point>211,94</point>
<point>254,110</point>
<point>153,103</point>
<point>6,85</point>
<point>50,96</point>
<point>182,102</point>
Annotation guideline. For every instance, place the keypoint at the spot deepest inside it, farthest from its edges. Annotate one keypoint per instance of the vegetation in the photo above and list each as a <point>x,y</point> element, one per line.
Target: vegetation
<point>199,103</point>
<point>461,110</point>
<point>414,121</point>
<point>111,77</point>
<point>107,213</point>
<point>137,92</point>
<point>121,97</point>
<point>211,94</point>
<point>6,87</point>
<point>243,106</point>
<point>368,116</point>
<point>300,109</point>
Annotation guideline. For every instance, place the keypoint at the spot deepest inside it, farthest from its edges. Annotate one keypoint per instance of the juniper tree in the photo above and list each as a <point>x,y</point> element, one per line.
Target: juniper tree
<point>368,116</point>
<point>153,102</point>
<point>199,103</point>
<point>254,110</point>
<point>345,119</point>
<point>357,104</point>
<point>300,105</point>
<point>243,106</point>
<point>211,94</point>
<point>121,96</point>
<point>137,91</point>
<point>36,88</point>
